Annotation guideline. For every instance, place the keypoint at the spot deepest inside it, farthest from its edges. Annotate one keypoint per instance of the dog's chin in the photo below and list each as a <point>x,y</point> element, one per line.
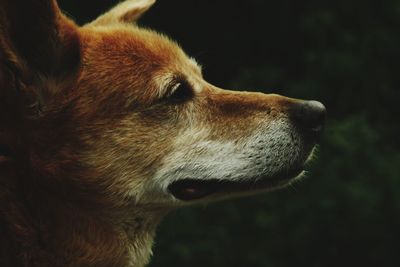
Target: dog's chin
<point>192,189</point>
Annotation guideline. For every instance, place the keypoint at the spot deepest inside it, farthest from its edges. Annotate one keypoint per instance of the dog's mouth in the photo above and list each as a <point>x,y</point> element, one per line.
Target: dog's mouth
<point>194,189</point>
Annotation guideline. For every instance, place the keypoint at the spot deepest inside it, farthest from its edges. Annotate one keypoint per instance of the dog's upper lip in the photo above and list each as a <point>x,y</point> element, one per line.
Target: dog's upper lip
<point>194,188</point>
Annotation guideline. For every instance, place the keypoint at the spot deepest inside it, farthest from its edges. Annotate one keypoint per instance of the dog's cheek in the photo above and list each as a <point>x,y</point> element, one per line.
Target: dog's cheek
<point>127,155</point>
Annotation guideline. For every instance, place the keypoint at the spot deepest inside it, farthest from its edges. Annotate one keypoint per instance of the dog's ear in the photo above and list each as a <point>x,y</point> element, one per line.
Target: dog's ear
<point>36,33</point>
<point>126,12</point>
<point>37,44</point>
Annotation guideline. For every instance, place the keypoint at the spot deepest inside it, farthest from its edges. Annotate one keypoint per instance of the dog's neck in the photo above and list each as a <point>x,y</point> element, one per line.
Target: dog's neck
<point>75,236</point>
<point>123,241</point>
<point>138,230</point>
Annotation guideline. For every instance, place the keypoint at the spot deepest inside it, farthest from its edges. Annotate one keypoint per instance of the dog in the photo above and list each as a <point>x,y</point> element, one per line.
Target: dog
<point>107,127</point>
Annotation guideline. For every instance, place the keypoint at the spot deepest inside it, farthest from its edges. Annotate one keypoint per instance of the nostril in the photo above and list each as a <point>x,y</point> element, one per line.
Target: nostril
<point>310,114</point>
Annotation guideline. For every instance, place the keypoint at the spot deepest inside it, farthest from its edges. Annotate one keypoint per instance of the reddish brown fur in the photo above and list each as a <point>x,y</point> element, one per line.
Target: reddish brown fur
<point>63,92</point>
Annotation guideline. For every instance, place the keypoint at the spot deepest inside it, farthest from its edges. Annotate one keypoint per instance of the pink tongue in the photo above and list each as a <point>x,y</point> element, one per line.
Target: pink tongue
<point>192,189</point>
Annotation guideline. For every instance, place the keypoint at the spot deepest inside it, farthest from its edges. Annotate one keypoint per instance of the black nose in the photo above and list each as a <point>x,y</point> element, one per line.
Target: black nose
<point>310,115</point>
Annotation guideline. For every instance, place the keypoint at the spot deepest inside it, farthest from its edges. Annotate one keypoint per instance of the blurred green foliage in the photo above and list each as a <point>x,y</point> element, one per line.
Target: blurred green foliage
<point>343,53</point>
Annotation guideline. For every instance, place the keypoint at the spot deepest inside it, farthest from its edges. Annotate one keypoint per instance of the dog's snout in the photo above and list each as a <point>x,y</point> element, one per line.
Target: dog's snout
<point>309,115</point>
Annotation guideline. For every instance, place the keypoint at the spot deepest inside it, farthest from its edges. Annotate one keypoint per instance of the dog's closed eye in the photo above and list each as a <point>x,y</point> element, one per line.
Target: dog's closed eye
<point>180,93</point>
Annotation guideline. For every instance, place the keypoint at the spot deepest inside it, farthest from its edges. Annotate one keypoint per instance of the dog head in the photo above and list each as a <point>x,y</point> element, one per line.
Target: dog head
<point>123,111</point>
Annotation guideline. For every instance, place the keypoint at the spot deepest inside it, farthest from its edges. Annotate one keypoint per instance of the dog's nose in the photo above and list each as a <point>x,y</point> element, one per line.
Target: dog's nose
<point>310,115</point>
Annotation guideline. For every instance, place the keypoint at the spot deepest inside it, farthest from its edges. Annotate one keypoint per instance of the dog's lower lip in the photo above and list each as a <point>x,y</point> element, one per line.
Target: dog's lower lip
<point>193,189</point>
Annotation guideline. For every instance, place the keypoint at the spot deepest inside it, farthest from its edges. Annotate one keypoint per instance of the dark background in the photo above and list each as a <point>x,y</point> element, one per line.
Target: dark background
<point>343,53</point>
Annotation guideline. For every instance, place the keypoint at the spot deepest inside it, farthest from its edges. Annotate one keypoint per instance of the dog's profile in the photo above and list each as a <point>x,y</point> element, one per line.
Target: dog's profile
<point>105,128</point>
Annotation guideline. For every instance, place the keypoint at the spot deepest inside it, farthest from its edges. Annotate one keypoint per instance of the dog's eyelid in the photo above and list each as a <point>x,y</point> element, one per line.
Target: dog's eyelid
<point>174,87</point>
<point>180,91</point>
<point>171,88</point>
